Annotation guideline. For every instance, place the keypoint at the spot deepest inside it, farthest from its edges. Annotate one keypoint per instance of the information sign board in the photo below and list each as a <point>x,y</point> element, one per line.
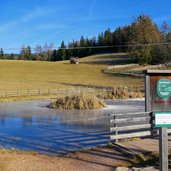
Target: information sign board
<point>160,92</point>
<point>164,88</point>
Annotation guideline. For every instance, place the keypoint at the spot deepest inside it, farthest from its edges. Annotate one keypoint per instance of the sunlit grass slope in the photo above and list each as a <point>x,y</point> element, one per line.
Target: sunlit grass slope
<point>34,74</point>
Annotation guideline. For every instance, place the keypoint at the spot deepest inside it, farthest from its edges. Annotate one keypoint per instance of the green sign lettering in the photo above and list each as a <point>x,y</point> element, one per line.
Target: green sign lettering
<point>164,88</point>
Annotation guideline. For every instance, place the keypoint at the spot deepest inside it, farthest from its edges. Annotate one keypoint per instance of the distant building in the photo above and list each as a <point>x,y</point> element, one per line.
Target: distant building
<point>74,60</point>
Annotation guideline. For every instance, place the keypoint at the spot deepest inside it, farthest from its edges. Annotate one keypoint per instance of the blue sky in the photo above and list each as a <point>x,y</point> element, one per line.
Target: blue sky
<point>38,21</point>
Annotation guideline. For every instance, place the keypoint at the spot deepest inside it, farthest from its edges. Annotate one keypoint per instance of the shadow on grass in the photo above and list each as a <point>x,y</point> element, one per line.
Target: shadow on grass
<point>85,85</point>
<point>109,60</point>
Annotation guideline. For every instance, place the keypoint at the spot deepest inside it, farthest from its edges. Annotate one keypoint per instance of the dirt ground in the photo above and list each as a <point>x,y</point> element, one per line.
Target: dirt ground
<point>100,159</point>
<point>140,153</point>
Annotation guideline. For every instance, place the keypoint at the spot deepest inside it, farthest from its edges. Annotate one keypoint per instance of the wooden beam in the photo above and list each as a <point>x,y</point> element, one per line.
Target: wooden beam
<point>130,135</point>
<point>132,127</point>
<point>127,120</point>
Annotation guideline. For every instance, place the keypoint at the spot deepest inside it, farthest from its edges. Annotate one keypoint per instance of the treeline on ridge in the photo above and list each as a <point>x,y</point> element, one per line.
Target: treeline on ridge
<point>143,40</point>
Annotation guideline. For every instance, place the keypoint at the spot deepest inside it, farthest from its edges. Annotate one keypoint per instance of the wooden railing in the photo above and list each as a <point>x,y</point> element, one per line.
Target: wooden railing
<point>131,125</point>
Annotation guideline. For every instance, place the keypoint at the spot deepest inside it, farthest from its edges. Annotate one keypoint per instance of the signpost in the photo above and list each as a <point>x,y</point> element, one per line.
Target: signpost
<point>158,100</point>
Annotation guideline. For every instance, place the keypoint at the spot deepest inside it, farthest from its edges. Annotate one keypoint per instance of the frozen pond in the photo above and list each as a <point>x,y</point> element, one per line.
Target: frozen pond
<point>30,125</point>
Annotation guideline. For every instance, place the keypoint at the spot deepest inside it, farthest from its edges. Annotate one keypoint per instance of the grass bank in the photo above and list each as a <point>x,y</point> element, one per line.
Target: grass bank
<point>18,75</point>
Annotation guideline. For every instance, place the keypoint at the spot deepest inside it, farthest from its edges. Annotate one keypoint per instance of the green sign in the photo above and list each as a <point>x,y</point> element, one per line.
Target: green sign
<point>164,88</point>
<point>162,119</point>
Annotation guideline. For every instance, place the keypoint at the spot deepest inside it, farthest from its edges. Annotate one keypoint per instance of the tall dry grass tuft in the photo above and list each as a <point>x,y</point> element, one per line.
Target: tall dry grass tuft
<point>120,93</point>
<point>78,102</point>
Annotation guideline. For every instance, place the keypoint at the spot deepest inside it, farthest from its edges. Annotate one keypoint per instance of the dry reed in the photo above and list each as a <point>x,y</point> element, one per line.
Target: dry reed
<point>78,102</point>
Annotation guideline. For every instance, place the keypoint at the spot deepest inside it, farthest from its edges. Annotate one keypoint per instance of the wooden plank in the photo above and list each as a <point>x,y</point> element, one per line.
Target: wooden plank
<point>133,116</point>
<point>152,145</point>
<point>132,127</point>
<point>131,135</point>
<point>147,146</point>
<point>22,94</point>
<point>130,114</point>
<point>130,148</point>
<point>54,90</point>
<point>11,93</point>
<point>124,149</point>
<point>23,90</point>
<point>137,146</point>
<point>33,90</point>
<point>127,120</point>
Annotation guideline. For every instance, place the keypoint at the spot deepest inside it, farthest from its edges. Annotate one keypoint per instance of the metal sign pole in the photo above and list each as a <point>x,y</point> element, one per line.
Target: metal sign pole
<point>163,149</point>
<point>147,94</point>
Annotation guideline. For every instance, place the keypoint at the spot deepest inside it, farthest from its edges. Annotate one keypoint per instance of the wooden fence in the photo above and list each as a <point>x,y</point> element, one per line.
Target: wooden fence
<point>41,92</point>
<point>131,125</point>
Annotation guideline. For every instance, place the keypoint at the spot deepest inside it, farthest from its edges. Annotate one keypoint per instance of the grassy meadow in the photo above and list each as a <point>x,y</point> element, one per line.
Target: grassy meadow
<point>50,75</point>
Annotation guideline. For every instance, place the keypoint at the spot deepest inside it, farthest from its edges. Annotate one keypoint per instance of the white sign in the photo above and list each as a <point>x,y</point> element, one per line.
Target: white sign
<point>162,119</point>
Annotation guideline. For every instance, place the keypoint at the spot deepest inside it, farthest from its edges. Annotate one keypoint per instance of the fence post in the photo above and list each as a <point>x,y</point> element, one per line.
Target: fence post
<point>115,132</point>
<point>152,124</point>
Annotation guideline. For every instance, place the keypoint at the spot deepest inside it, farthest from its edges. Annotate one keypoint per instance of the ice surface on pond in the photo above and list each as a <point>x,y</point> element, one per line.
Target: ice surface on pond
<point>31,125</point>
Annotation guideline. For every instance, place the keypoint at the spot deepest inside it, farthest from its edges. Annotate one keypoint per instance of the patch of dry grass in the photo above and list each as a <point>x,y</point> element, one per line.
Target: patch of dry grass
<point>78,102</point>
<point>120,93</point>
<point>111,58</point>
<point>18,75</point>
<point>145,159</point>
<point>23,98</point>
<point>95,99</point>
